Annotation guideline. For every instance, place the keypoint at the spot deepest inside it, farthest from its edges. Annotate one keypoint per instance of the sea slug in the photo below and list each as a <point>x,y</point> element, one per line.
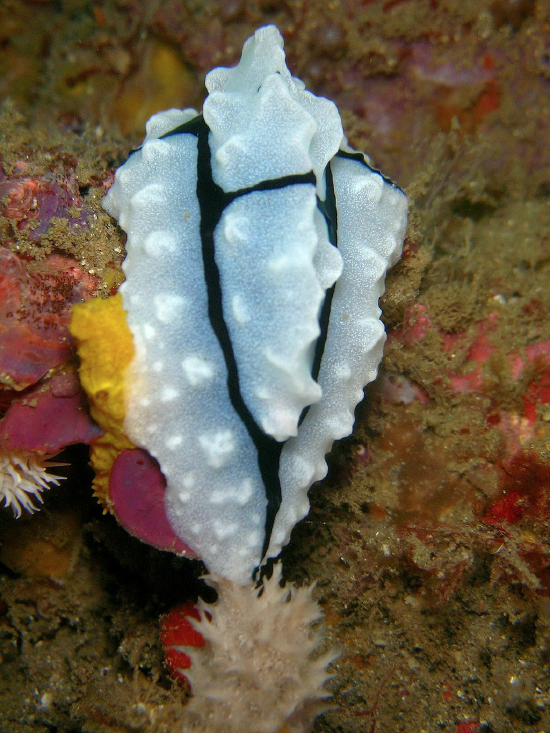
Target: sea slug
<point>258,244</point>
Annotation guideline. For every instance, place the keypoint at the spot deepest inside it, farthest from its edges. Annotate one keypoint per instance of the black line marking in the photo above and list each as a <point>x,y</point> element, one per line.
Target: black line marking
<point>329,210</point>
<point>212,203</point>
<point>198,127</point>
<point>330,213</point>
<point>272,184</point>
<point>360,158</point>
<point>194,126</point>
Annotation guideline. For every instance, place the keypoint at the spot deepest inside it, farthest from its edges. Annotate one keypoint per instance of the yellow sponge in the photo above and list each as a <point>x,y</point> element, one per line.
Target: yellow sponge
<point>105,347</point>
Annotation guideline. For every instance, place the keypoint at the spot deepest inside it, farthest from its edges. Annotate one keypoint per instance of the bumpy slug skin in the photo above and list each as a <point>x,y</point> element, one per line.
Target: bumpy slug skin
<point>105,347</point>
<point>258,243</point>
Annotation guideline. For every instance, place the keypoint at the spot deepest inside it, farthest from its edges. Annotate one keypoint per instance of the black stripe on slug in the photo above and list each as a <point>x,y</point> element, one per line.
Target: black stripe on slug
<point>360,158</point>
<point>330,214</point>
<point>198,127</point>
<point>329,211</point>
<point>212,202</point>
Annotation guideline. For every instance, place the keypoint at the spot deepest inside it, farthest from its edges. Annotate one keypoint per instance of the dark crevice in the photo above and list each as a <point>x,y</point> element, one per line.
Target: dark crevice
<point>467,209</point>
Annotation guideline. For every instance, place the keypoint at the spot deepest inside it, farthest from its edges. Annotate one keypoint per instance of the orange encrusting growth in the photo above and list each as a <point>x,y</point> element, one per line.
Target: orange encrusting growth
<point>105,347</point>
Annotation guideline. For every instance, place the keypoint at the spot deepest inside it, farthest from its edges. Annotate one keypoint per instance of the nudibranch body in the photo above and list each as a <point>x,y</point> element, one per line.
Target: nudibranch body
<point>258,243</point>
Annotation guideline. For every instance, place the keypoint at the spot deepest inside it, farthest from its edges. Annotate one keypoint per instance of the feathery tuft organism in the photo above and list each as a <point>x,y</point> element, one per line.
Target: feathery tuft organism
<point>23,477</point>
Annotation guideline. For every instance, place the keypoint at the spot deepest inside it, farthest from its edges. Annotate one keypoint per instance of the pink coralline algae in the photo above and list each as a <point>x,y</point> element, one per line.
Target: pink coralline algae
<point>38,424</point>
<point>48,417</point>
<point>35,306</point>
<point>534,359</point>
<point>44,405</point>
<point>136,495</point>
<point>34,202</point>
<point>524,492</point>
<point>478,350</point>
<point>482,484</point>
<point>414,327</point>
<point>538,391</point>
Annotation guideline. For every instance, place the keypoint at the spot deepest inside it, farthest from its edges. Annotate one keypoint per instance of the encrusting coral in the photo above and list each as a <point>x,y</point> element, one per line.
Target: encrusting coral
<point>23,477</point>
<point>261,669</point>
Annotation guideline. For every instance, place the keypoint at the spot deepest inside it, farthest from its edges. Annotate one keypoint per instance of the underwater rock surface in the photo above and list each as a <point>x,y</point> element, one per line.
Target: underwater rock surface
<point>428,539</point>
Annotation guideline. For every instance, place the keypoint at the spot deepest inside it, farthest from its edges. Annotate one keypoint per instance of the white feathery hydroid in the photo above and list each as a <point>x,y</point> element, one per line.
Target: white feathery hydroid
<point>261,669</point>
<point>23,477</point>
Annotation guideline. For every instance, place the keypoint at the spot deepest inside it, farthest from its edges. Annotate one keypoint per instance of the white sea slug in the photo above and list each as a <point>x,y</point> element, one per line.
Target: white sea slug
<point>258,243</point>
